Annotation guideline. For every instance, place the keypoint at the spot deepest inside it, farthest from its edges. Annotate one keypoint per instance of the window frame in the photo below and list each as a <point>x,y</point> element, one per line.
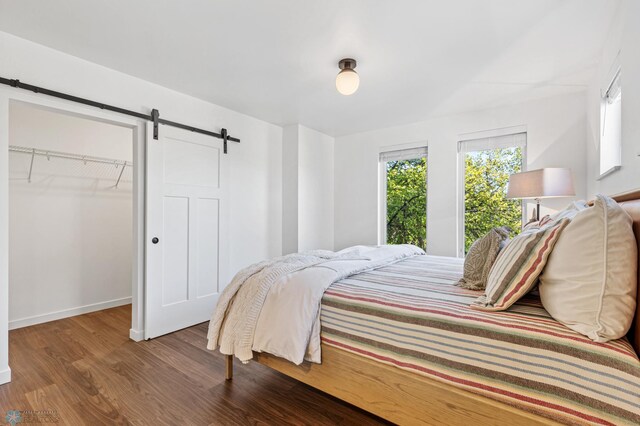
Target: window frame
<point>476,137</point>
<point>614,82</point>
<point>382,187</point>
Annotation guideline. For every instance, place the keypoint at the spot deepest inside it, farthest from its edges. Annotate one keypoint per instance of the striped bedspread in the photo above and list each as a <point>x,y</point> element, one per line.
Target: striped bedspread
<point>410,315</point>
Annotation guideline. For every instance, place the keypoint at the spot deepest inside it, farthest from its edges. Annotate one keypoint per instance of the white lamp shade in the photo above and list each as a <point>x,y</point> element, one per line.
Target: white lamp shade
<point>541,183</point>
<point>347,81</point>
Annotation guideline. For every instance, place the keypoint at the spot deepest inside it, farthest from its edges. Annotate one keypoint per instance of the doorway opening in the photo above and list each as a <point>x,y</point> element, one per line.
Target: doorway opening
<point>71,233</point>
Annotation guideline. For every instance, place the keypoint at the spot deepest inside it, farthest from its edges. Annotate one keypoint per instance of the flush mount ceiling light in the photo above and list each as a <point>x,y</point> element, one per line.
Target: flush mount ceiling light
<point>347,81</point>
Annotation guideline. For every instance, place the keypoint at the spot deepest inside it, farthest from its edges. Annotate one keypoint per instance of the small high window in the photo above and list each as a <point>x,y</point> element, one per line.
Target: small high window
<point>611,127</point>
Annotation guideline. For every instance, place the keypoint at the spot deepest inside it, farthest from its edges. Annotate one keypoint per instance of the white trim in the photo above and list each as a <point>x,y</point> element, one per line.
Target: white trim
<point>137,269</point>
<point>404,154</point>
<point>66,313</point>
<point>4,237</point>
<point>608,172</point>
<point>460,208</point>
<point>493,133</point>
<point>382,202</point>
<point>5,376</point>
<point>517,140</point>
<point>400,146</point>
<point>136,335</point>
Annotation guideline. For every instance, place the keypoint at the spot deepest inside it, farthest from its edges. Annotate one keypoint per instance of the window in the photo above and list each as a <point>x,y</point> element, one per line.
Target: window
<point>403,207</point>
<point>611,134</point>
<point>485,166</point>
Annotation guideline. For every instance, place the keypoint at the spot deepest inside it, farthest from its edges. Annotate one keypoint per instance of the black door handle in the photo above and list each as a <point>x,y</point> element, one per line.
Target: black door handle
<point>155,240</point>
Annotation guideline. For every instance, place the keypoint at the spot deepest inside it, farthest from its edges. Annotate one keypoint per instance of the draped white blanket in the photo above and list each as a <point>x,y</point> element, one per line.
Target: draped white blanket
<point>274,306</point>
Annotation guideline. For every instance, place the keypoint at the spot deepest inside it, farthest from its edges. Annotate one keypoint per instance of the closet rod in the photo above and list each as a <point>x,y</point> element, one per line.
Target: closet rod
<point>154,116</point>
<point>68,156</point>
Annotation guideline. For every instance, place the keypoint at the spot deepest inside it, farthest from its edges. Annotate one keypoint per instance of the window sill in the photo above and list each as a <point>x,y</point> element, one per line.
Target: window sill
<point>608,172</point>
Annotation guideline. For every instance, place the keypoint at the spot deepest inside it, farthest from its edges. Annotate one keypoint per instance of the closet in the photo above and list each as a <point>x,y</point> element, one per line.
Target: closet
<point>70,215</point>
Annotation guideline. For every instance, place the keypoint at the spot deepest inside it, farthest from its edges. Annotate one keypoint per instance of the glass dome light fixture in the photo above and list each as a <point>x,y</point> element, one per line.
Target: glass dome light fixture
<point>347,81</point>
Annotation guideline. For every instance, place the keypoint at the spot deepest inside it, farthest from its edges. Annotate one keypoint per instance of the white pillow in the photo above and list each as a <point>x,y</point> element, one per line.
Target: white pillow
<point>589,283</point>
<point>571,210</point>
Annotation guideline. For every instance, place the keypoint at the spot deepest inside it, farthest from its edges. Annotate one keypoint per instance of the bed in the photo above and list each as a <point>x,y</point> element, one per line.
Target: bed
<point>401,342</point>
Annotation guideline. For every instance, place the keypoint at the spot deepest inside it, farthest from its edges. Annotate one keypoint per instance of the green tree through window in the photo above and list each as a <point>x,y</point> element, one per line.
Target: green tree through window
<point>486,206</point>
<point>486,177</point>
<point>407,202</point>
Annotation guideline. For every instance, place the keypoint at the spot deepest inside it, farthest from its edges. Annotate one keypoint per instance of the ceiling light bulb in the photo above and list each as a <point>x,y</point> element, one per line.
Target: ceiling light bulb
<point>347,81</point>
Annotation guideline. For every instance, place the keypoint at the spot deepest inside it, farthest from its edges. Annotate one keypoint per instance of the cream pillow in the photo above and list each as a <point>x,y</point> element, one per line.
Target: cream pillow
<point>589,283</point>
<point>570,211</point>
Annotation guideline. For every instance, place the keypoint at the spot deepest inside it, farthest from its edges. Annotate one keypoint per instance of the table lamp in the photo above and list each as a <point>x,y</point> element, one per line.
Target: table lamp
<point>549,182</point>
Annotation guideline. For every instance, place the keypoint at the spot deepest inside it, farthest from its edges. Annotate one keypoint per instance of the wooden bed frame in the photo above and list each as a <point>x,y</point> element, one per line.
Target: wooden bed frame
<point>407,398</point>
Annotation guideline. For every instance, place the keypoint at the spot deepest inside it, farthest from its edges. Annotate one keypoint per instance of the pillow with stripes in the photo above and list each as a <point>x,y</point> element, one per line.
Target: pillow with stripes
<point>518,266</point>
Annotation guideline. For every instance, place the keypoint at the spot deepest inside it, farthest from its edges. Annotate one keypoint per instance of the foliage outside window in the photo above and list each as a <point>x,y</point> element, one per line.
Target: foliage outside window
<point>485,183</point>
<point>407,202</point>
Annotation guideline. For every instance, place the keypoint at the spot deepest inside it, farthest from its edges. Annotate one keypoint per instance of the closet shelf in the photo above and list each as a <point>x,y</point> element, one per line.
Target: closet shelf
<point>70,156</point>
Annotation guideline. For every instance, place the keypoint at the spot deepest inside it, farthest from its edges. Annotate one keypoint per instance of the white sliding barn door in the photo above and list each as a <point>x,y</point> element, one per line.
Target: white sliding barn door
<point>185,229</point>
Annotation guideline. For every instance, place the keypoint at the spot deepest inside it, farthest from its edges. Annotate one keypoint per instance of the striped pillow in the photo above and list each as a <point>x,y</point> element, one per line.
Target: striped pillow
<point>518,265</point>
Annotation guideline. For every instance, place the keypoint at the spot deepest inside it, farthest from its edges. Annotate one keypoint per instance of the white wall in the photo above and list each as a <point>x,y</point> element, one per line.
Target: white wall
<point>623,37</point>
<point>308,189</point>
<point>70,229</point>
<point>290,168</point>
<point>256,164</point>
<point>316,190</point>
<point>555,131</point>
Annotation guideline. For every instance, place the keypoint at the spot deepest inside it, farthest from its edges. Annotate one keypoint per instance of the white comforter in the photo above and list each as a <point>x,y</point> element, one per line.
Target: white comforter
<point>274,306</point>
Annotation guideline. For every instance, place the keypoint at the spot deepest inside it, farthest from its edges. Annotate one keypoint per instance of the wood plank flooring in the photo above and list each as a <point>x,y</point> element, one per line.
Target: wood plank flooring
<point>87,371</point>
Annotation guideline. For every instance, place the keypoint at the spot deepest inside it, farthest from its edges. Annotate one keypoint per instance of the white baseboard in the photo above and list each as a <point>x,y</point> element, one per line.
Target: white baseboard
<point>66,313</point>
<point>5,376</point>
<point>136,335</point>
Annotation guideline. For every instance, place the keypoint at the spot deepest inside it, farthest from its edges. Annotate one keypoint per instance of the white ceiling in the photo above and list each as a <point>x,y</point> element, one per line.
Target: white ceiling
<point>277,59</point>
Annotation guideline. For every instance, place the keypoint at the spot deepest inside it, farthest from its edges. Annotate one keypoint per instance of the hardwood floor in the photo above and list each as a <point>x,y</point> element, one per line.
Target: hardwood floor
<point>85,370</point>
